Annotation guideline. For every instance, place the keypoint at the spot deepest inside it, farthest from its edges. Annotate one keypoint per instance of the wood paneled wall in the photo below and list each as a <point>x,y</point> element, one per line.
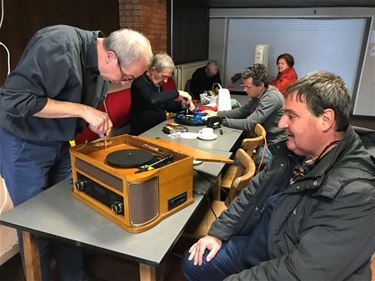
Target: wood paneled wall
<point>23,17</point>
<point>190,31</point>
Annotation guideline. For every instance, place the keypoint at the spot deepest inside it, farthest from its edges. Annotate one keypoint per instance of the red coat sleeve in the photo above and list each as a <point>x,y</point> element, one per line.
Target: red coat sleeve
<point>284,79</point>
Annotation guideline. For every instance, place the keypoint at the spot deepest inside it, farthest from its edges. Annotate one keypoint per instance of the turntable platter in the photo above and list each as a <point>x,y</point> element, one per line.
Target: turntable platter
<point>129,158</point>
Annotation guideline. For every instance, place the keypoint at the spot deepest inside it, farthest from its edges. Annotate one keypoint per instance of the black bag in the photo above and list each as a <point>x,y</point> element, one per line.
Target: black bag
<point>190,118</point>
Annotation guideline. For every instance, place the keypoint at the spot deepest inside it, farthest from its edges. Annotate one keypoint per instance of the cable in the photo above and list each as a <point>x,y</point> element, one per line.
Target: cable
<point>213,212</point>
<point>263,154</point>
<point>2,13</point>
<point>8,54</point>
<point>1,43</point>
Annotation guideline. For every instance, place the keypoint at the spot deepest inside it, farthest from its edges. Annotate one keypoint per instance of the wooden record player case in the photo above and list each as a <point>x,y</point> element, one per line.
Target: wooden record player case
<point>135,201</point>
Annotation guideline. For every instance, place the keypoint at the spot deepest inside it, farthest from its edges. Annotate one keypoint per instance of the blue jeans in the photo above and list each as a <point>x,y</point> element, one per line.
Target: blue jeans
<point>29,167</point>
<point>237,254</point>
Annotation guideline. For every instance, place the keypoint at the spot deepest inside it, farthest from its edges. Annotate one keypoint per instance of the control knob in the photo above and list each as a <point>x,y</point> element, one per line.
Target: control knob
<point>81,185</point>
<point>117,207</point>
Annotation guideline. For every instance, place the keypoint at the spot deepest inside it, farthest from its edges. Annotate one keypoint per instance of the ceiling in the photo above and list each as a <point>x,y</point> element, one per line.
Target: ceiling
<point>288,3</point>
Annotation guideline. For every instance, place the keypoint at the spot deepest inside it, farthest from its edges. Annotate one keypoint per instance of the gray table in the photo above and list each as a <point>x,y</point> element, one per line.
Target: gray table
<point>224,142</point>
<point>56,214</point>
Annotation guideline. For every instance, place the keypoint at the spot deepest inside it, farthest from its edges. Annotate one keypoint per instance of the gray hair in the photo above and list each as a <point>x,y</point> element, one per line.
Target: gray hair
<point>321,90</point>
<point>259,74</point>
<point>162,61</point>
<point>130,46</point>
<point>211,61</point>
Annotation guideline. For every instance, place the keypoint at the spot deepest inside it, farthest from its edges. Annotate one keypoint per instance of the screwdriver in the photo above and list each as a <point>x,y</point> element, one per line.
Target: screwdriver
<point>105,134</point>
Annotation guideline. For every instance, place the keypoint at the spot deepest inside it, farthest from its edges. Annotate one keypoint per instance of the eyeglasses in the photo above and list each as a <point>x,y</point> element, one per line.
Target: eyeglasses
<point>124,77</point>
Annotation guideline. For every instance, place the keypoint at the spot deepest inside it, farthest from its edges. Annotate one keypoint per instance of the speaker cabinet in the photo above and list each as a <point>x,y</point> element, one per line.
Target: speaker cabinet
<point>144,201</point>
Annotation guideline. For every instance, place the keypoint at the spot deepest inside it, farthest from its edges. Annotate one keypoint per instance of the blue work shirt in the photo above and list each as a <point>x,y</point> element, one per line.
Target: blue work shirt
<point>60,62</point>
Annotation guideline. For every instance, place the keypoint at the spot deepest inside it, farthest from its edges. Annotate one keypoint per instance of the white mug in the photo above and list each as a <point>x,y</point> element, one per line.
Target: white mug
<point>206,132</point>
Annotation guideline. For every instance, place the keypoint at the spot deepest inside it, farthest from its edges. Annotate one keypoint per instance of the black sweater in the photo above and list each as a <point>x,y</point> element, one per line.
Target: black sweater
<point>149,104</point>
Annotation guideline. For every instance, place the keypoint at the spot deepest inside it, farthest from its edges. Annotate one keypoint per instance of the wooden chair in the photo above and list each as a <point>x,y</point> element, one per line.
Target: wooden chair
<point>244,172</point>
<point>9,239</point>
<point>257,137</point>
<point>250,145</point>
<point>203,220</point>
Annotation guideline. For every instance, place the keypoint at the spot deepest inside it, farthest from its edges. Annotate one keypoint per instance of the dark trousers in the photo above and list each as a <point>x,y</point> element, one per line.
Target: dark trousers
<point>237,254</point>
<point>29,167</point>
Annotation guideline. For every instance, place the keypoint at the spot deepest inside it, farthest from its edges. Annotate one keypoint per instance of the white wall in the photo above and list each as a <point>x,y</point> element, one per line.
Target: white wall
<point>235,32</point>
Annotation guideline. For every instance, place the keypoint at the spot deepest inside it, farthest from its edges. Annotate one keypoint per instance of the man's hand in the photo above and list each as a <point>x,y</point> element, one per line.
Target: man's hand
<point>98,121</point>
<point>186,99</point>
<point>208,242</point>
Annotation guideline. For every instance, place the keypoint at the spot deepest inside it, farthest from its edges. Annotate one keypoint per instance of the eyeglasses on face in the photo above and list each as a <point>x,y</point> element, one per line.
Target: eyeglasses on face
<point>124,77</point>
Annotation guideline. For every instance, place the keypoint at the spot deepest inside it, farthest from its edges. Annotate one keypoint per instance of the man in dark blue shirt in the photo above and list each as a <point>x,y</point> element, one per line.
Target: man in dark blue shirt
<point>52,93</point>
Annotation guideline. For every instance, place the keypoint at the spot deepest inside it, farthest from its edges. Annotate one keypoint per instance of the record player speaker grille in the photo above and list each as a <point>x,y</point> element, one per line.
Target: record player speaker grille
<point>99,174</point>
<point>143,201</point>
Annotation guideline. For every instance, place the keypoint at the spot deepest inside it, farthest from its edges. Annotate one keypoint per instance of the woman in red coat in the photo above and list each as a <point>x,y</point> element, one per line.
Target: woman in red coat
<point>287,75</point>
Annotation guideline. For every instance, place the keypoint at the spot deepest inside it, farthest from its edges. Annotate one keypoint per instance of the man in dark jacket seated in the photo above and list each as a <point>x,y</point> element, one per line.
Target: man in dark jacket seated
<point>203,79</point>
<point>311,216</point>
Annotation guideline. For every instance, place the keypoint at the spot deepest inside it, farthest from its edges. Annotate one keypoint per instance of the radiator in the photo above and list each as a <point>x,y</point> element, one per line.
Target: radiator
<point>185,71</point>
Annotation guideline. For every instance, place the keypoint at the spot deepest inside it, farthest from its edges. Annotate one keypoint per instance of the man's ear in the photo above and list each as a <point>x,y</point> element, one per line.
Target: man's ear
<point>327,119</point>
<point>110,56</point>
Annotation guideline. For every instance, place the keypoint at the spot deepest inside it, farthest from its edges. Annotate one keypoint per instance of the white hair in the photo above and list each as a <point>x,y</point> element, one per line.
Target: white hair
<point>130,46</point>
<point>162,61</point>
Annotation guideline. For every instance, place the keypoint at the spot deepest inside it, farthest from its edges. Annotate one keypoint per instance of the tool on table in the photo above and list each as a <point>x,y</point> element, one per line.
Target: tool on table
<point>214,122</point>
<point>172,124</point>
<point>172,127</point>
<point>153,148</point>
<point>156,164</point>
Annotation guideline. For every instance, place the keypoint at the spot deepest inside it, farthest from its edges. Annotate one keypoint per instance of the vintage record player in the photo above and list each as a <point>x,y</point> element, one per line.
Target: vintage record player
<point>136,181</point>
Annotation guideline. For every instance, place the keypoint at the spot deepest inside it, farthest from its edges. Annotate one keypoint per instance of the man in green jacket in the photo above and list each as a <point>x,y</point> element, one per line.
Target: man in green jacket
<point>312,214</point>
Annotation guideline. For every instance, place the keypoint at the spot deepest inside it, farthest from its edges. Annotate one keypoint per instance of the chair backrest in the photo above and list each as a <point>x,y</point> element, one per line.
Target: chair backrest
<point>118,108</point>
<point>245,171</point>
<point>169,85</point>
<point>258,137</point>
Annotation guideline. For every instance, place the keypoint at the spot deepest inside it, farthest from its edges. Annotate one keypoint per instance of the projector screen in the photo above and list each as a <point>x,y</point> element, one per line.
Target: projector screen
<point>316,44</point>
